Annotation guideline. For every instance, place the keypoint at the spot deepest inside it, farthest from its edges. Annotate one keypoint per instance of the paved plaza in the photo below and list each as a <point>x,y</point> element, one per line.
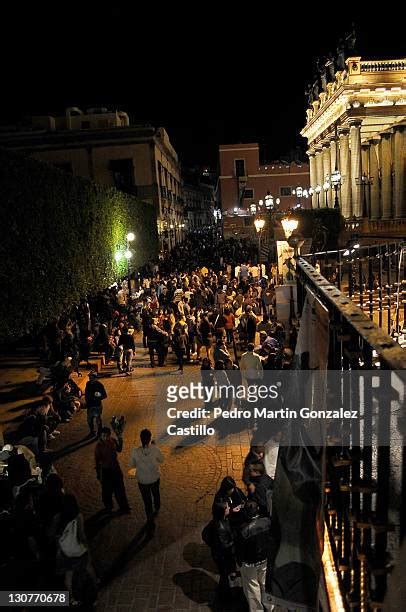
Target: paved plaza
<point>172,570</point>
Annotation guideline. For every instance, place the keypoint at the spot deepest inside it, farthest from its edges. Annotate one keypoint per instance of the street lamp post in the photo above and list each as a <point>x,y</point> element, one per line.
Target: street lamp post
<point>336,182</point>
<point>126,254</point>
<point>364,180</point>
<point>259,226</point>
<point>326,187</point>
<point>311,193</point>
<point>317,189</point>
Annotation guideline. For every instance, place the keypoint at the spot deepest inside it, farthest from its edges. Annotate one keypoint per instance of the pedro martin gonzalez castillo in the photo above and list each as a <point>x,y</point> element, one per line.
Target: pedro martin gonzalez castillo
<point>230,401</point>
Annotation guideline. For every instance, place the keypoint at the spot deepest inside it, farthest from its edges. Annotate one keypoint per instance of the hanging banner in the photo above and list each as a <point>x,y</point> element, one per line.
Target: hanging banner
<point>294,567</point>
<point>286,303</point>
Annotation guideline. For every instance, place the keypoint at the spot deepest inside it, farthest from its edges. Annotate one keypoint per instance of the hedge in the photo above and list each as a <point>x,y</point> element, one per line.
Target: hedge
<point>59,234</point>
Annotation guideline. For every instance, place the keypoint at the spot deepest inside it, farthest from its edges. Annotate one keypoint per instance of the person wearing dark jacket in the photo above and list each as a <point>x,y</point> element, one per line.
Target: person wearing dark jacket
<point>126,347</point>
<point>253,546</point>
<point>230,493</point>
<point>256,455</point>
<point>109,472</point>
<point>261,488</point>
<point>222,549</point>
<point>156,340</point>
<point>95,393</point>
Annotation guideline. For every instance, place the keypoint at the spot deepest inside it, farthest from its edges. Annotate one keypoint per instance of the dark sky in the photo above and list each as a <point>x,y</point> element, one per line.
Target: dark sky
<point>209,77</point>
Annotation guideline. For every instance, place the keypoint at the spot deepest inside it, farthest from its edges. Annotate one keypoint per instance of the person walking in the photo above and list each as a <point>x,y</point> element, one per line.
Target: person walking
<point>95,393</point>
<point>126,346</point>
<point>146,459</point>
<point>109,472</point>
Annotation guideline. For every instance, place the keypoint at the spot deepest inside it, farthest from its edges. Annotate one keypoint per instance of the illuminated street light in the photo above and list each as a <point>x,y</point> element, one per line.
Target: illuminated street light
<point>130,236</point>
<point>336,182</point>
<point>326,187</point>
<point>317,189</point>
<point>118,256</point>
<point>128,254</point>
<point>259,226</point>
<point>269,201</point>
<point>253,208</point>
<point>289,226</point>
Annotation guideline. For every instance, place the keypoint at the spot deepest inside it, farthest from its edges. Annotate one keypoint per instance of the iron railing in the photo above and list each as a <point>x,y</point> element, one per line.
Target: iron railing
<point>365,485</point>
<point>374,277</point>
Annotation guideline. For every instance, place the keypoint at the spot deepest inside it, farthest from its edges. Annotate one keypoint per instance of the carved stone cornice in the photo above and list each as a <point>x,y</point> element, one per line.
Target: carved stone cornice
<point>354,122</point>
<point>343,130</point>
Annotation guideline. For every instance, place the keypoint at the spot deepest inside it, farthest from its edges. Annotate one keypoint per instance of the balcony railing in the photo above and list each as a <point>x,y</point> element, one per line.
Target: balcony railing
<point>373,278</point>
<point>364,490</point>
<point>383,65</point>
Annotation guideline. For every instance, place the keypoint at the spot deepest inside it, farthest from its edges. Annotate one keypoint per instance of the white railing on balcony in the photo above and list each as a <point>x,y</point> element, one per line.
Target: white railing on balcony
<point>383,65</point>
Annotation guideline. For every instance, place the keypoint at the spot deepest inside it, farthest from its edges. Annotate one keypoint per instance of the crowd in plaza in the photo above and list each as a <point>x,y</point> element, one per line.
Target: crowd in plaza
<point>196,309</point>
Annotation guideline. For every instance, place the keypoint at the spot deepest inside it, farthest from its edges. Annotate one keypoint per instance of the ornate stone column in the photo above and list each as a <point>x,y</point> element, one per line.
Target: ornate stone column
<point>386,170</point>
<point>365,189</point>
<point>313,181</point>
<point>399,162</point>
<point>356,168</point>
<point>374,171</point>
<point>326,171</point>
<point>319,166</point>
<point>345,170</point>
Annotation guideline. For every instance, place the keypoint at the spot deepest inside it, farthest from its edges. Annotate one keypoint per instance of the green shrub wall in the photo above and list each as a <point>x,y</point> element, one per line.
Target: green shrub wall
<point>58,237</point>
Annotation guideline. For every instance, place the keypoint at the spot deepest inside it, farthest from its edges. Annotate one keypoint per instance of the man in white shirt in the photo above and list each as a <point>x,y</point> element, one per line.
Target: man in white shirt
<point>251,366</point>
<point>147,459</point>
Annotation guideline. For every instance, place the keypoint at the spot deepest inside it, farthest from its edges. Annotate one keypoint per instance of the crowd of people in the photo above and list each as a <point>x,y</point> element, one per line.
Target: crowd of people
<point>196,308</point>
<point>240,536</point>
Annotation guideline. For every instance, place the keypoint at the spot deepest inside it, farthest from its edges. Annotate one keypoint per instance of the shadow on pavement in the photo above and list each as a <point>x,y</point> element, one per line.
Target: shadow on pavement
<point>97,522</point>
<point>139,541</point>
<point>71,448</point>
<point>197,586</point>
<point>198,555</point>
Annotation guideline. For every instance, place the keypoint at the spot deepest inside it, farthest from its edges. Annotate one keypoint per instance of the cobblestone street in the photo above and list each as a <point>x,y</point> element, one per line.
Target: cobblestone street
<point>173,569</point>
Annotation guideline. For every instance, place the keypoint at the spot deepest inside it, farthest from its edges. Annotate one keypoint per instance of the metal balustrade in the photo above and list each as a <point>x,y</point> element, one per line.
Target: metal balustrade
<point>383,65</point>
<point>365,485</point>
<point>374,277</point>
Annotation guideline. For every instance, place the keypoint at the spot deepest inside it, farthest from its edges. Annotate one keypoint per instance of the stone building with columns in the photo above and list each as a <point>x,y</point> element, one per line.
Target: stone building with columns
<point>356,134</point>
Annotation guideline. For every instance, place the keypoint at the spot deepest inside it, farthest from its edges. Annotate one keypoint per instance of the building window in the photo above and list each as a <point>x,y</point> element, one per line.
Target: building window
<point>85,125</point>
<point>249,194</point>
<point>123,174</point>
<point>239,165</point>
<point>286,191</point>
<point>247,221</point>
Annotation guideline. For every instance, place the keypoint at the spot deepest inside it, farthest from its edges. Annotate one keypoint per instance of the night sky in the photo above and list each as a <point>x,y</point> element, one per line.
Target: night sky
<point>208,77</point>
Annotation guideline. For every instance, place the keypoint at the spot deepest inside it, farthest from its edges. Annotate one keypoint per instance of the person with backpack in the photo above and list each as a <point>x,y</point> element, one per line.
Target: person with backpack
<point>95,393</point>
<point>72,558</point>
